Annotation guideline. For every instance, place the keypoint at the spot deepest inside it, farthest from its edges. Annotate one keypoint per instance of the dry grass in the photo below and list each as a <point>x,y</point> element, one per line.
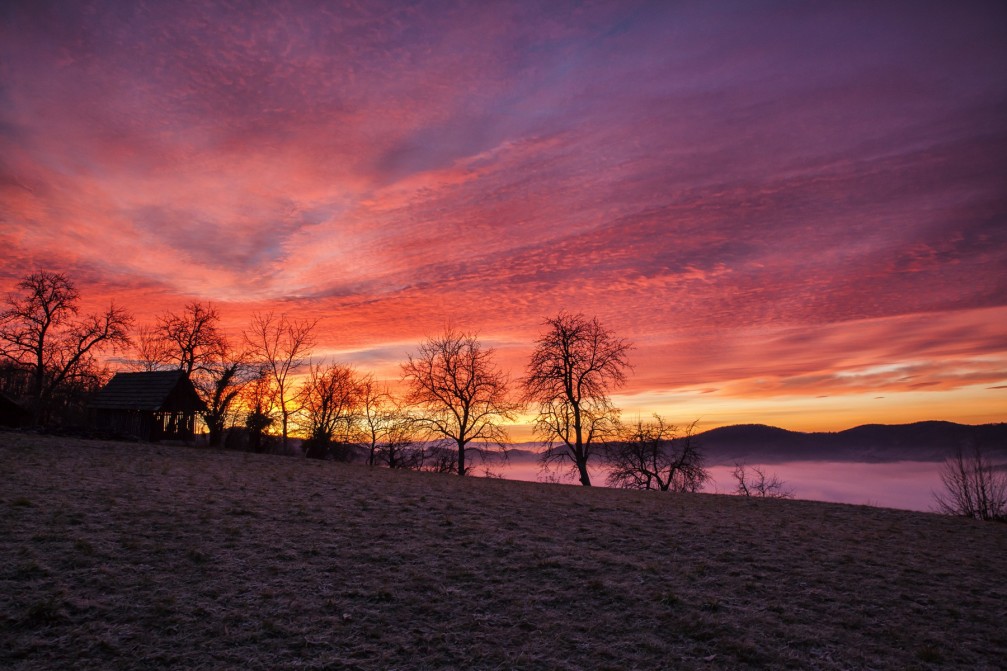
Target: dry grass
<point>139,556</point>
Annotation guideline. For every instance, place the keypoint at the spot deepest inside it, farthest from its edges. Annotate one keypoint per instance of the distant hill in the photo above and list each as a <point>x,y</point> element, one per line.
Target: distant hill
<point>760,443</point>
<point>920,441</point>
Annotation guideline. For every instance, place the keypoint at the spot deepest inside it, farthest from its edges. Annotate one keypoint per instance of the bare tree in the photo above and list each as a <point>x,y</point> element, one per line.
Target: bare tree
<point>439,457</point>
<point>401,446</point>
<point>221,383</point>
<point>330,401</point>
<point>374,409</point>
<point>656,455</point>
<point>377,412</point>
<point>259,397</point>
<point>151,350</point>
<point>281,346</point>
<point>973,486</point>
<point>40,329</point>
<point>191,339</point>
<point>386,430</point>
<point>459,392</point>
<point>575,365</point>
<point>755,481</point>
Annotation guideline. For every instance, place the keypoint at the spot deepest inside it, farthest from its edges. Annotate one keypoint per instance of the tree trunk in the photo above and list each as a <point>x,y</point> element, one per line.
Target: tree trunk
<point>580,454</point>
<point>38,394</point>
<point>461,459</point>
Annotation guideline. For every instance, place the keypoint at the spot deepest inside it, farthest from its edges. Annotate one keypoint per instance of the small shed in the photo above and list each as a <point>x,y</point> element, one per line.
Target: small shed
<point>157,405</point>
<point>12,413</point>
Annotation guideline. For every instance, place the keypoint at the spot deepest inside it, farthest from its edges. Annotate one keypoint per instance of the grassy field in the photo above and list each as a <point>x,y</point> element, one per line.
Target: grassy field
<point>125,556</point>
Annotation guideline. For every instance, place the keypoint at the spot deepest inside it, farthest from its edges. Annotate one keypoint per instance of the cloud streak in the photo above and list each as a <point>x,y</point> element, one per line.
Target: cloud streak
<point>769,199</point>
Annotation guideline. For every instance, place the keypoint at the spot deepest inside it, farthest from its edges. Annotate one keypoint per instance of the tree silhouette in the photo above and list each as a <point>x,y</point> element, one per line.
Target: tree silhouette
<point>386,430</point>
<point>574,366</point>
<point>755,481</point>
<point>401,447</point>
<point>330,401</point>
<point>656,455</point>
<point>973,486</point>
<point>221,384</point>
<point>458,391</point>
<point>150,350</point>
<point>40,329</point>
<point>192,338</point>
<point>259,397</point>
<point>280,346</point>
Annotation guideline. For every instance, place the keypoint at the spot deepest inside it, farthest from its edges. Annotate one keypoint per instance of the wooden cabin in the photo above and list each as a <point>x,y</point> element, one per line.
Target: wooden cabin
<point>152,406</point>
<point>13,414</point>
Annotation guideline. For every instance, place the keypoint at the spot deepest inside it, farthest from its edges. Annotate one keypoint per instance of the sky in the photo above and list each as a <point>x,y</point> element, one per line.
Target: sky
<point>796,211</point>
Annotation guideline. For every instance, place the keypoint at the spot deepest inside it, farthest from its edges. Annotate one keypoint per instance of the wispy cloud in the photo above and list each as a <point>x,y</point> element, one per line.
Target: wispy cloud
<point>770,200</point>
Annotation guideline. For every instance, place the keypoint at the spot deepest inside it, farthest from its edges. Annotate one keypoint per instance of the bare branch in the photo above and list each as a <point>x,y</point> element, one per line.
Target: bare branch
<point>150,350</point>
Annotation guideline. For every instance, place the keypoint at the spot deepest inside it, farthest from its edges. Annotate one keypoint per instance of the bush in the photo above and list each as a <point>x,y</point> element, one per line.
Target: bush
<point>973,486</point>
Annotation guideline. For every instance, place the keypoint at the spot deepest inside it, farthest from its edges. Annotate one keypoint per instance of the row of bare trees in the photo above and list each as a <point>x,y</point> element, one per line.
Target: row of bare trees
<point>251,377</point>
<point>457,397</point>
<point>456,394</point>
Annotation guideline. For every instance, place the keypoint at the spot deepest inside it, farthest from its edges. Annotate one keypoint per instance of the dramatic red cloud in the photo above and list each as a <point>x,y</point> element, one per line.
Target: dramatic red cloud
<point>797,213</point>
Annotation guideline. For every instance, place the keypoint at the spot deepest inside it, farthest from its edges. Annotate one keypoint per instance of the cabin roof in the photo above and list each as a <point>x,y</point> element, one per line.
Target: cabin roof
<point>12,413</point>
<point>161,390</point>
<point>9,402</point>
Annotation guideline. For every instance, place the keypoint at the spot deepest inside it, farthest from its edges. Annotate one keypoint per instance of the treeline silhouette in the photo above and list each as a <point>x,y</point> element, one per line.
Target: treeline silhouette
<point>265,387</point>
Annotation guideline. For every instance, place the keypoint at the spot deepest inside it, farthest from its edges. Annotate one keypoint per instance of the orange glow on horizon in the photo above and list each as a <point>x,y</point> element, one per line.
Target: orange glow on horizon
<point>800,243</point>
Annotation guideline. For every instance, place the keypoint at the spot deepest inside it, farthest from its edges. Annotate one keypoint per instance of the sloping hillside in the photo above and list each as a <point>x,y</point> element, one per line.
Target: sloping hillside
<point>137,557</point>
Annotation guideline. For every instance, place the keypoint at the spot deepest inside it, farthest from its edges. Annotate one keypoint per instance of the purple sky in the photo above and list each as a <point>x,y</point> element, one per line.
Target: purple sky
<point>796,210</point>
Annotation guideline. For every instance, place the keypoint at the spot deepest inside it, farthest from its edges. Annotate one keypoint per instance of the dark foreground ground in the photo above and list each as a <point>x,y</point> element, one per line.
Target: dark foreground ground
<point>120,556</point>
